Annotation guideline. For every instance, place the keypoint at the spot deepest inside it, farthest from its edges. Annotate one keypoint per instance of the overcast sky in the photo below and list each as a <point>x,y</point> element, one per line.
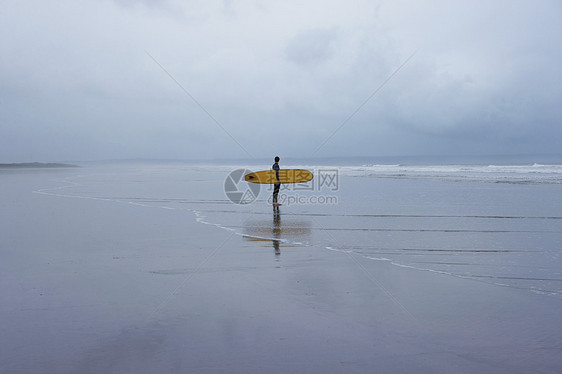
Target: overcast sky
<point>278,77</point>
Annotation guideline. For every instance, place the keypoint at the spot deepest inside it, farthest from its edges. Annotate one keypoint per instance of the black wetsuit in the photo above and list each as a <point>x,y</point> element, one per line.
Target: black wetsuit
<point>276,186</point>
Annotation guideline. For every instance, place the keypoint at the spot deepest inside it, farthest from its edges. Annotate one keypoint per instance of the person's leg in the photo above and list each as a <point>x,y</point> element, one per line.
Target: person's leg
<point>276,192</point>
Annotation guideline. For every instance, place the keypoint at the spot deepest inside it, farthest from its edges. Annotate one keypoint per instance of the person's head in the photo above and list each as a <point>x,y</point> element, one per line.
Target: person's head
<point>276,158</point>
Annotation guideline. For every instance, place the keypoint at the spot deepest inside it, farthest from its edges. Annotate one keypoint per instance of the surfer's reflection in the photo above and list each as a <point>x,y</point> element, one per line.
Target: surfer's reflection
<point>293,232</point>
<point>276,231</point>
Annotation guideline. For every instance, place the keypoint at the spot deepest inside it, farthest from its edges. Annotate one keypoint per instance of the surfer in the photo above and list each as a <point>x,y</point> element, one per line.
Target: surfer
<point>277,185</point>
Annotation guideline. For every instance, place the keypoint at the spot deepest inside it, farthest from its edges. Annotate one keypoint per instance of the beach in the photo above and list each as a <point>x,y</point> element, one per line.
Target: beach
<point>148,268</point>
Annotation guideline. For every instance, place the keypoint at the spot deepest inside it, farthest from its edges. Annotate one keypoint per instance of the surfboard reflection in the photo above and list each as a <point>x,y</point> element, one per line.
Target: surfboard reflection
<point>289,232</point>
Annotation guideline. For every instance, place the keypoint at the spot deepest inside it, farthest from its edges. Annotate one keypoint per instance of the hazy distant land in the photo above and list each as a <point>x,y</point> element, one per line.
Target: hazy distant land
<point>36,165</point>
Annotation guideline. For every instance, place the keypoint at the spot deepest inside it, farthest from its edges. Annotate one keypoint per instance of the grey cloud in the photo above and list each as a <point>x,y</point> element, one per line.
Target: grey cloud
<point>311,47</point>
<point>76,82</point>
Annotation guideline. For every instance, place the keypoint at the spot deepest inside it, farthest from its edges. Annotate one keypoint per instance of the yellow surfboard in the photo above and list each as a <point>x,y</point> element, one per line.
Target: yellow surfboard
<point>285,176</point>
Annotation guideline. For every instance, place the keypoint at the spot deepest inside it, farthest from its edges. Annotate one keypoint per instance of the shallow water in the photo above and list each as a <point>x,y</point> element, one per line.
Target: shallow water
<point>501,225</point>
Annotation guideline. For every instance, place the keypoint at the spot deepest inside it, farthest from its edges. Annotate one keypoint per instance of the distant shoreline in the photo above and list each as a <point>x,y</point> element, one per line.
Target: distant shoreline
<point>26,165</point>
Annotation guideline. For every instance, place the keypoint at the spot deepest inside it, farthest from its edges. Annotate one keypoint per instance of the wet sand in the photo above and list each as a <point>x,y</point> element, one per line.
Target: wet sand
<point>100,284</point>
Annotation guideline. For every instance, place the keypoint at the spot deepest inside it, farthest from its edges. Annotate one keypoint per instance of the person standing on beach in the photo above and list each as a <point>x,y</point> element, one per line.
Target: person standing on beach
<point>277,185</point>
